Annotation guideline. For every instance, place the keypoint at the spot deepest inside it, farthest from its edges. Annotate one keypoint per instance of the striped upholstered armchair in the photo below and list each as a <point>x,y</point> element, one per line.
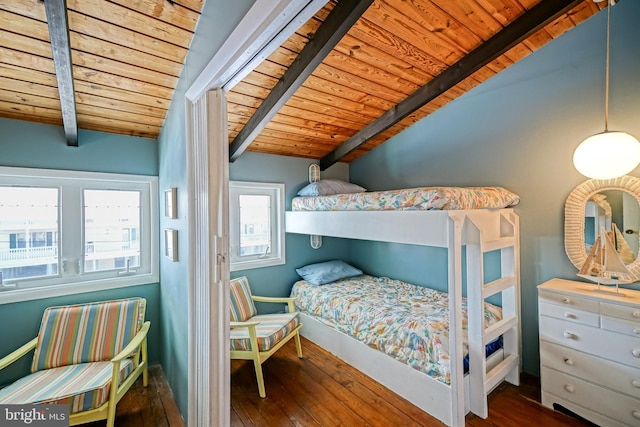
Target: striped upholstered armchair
<point>256,337</point>
<point>86,356</point>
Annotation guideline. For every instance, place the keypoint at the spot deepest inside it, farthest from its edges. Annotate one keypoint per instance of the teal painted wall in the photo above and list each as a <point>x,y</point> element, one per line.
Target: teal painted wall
<point>25,144</point>
<point>217,21</point>
<point>518,130</point>
<point>293,172</point>
<point>33,145</point>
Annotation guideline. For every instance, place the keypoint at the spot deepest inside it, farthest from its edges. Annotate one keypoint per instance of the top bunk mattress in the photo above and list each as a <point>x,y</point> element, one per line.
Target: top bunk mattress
<point>422,198</point>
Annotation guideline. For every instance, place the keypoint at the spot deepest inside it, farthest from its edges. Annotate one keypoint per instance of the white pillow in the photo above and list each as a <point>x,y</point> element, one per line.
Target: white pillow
<point>328,187</point>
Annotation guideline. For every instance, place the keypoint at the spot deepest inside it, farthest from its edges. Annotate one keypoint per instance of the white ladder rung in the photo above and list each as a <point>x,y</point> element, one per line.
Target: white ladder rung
<point>503,242</point>
<point>497,374</point>
<point>499,328</point>
<point>499,285</point>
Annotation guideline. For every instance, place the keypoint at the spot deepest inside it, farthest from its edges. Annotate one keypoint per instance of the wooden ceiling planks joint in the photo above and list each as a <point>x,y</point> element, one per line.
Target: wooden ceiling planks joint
<point>338,22</point>
<point>514,33</point>
<point>58,24</point>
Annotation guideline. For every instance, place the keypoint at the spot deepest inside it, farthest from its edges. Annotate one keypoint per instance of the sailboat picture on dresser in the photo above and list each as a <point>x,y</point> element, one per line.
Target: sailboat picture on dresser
<point>604,265</point>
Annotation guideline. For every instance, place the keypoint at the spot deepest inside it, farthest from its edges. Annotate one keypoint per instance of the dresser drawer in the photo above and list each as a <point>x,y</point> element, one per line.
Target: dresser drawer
<point>620,325</point>
<point>622,378</point>
<point>575,302</point>
<point>610,345</point>
<point>569,313</point>
<point>598,399</point>
<point>621,311</point>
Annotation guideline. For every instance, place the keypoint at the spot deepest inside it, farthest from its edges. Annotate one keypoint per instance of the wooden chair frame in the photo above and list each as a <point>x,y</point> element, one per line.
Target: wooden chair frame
<point>259,357</point>
<point>136,348</point>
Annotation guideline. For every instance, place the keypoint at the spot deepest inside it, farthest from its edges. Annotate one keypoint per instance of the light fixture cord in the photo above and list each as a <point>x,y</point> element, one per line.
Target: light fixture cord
<point>606,86</point>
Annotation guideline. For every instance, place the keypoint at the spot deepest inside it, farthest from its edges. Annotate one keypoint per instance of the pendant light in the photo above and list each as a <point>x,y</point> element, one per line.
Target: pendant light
<point>609,154</point>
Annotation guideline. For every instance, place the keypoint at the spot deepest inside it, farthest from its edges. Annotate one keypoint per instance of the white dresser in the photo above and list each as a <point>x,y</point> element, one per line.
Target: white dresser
<point>590,351</point>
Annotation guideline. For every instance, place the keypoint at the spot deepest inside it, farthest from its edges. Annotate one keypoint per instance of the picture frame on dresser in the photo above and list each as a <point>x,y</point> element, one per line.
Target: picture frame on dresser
<point>590,352</point>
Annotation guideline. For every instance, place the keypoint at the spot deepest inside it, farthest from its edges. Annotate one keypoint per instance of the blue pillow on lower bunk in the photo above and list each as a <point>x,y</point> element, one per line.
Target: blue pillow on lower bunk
<point>327,272</point>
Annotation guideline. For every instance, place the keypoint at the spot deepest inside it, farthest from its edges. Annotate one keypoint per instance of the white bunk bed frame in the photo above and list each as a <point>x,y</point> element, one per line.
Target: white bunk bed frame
<point>481,231</point>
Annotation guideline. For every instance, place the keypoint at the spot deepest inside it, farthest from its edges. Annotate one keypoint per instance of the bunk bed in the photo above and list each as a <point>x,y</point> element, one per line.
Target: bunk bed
<point>481,220</point>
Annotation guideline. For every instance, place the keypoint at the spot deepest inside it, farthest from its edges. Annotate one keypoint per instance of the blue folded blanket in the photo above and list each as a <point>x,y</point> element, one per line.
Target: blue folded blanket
<point>490,348</point>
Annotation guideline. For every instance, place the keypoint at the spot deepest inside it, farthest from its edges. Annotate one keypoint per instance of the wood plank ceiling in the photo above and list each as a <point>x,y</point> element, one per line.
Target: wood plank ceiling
<point>392,51</point>
<point>127,57</point>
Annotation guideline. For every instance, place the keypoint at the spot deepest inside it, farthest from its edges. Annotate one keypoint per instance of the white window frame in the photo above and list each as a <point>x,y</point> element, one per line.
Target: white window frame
<point>71,185</point>
<point>277,255</point>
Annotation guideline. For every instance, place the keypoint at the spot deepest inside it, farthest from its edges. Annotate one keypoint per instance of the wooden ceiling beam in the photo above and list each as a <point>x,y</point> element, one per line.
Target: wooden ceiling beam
<point>58,23</point>
<point>328,35</point>
<point>527,24</point>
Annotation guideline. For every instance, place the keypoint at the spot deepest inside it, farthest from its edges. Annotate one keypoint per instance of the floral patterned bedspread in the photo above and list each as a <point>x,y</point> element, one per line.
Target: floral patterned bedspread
<point>424,198</point>
<point>407,322</point>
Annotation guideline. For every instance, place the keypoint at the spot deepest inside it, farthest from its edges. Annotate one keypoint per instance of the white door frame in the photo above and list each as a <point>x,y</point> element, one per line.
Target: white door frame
<point>208,268</point>
<point>262,30</point>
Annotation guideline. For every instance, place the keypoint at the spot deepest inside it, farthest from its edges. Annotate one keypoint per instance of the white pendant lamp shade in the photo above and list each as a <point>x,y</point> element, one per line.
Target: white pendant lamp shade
<point>607,155</point>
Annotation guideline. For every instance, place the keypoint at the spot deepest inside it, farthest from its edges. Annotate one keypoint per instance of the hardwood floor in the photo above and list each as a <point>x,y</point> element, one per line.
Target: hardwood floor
<point>321,390</point>
<point>151,406</point>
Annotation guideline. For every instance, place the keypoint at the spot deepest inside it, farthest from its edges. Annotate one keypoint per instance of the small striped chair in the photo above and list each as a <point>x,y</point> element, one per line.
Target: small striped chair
<point>256,337</point>
<point>86,356</point>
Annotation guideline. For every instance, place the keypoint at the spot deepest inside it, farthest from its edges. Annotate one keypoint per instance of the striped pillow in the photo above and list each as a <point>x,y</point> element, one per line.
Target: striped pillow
<point>242,306</point>
<point>85,333</point>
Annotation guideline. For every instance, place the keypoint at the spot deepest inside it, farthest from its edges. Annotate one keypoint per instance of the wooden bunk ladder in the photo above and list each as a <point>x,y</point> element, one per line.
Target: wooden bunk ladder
<point>484,236</point>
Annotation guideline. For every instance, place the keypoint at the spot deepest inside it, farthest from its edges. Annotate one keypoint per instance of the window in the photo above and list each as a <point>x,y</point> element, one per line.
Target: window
<point>29,220</point>
<point>256,224</point>
<point>64,232</point>
<point>108,218</point>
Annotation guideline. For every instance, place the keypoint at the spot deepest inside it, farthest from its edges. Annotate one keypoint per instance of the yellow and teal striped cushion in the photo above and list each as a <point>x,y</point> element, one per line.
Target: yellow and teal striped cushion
<point>242,306</point>
<point>86,333</point>
<point>270,331</point>
<point>83,387</point>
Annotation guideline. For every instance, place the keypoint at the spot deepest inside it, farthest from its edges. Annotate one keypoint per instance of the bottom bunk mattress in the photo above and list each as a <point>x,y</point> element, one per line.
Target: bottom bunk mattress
<point>407,322</point>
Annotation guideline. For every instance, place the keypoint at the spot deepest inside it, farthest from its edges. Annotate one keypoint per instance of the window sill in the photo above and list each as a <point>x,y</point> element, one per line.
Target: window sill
<point>10,295</point>
<point>248,265</point>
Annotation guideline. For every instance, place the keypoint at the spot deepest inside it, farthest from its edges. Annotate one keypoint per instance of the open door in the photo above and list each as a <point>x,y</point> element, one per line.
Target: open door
<point>208,264</point>
<point>265,26</point>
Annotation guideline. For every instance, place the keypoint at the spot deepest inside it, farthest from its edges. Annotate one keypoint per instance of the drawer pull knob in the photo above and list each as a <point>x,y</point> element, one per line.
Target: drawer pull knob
<point>636,414</point>
<point>635,383</point>
<point>636,314</point>
<point>569,388</point>
<point>636,331</point>
<point>636,352</point>
<point>571,336</point>
<point>568,301</point>
<point>570,316</point>
<point>569,362</point>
